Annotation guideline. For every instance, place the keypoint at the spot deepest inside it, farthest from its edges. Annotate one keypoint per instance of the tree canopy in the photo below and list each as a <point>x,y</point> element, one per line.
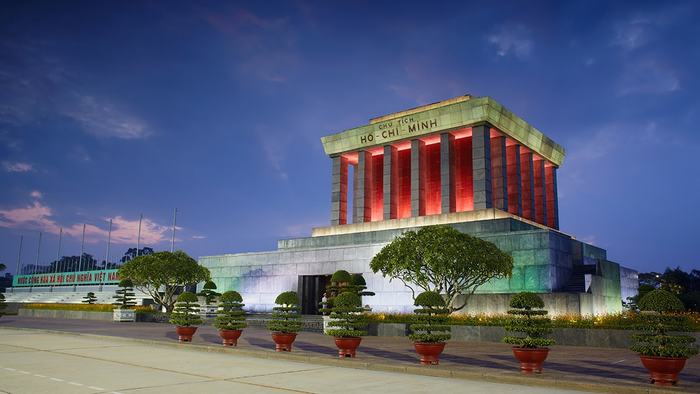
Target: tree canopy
<point>443,260</point>
<point>161,274</point>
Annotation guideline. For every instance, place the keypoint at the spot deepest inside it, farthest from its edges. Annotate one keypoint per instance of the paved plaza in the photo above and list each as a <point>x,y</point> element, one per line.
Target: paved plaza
<point>382,363</point>
<point>39,362</point>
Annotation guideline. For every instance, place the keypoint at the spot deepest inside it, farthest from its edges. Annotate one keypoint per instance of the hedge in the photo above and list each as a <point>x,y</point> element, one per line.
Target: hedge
<point>618,321</point>
<point>82,307</point>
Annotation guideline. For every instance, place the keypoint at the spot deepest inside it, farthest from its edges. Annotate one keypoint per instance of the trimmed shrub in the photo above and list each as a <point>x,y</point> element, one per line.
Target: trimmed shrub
<point>89,298</point>
<point>230,315</point>
<point>656,321</point>
<point>431,319</point>
<point>286,316</point>
<point>533,323</point>
<point>359,285</point>
<point>347,319</point>
<point>209,293</point>
<point>186,311</point>
<point>125,295</point>
<point>660,301</point>
<point>341,276</point>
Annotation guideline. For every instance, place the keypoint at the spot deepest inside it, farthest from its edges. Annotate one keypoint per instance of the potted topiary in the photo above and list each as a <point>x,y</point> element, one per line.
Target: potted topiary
<point>230,318</point>
<point>347,323</point>
<point>341,281</point>
<point>209,294</point>
<point>530,319</point>
<point>286,321</point>
<point>185,316</point>
<point>89,298</point>
<point>431,328</point>
<point>662,354</point>
<point>124,302</point>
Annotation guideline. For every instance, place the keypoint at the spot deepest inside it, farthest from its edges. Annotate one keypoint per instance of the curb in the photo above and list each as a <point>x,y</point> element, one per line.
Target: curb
<point>545,380</point>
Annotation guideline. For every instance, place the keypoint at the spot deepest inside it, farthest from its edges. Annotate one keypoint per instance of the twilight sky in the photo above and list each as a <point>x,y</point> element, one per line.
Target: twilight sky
<point>112,109</point>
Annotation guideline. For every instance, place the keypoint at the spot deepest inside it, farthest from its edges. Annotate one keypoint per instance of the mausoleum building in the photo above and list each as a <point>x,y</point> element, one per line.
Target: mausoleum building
<point>466,162</point>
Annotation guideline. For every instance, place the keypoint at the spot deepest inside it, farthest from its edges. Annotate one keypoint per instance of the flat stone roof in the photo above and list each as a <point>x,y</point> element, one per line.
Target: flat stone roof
<point>453,114</point>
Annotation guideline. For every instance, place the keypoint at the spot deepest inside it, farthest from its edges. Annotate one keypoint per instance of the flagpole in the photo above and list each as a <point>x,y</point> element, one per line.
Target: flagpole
<point>138,238</point>
<point>172,247</point>
<point>19,259</point>
<point>82,249</point>
<point>109,240</point>
<point>58,257</point>
<point>38,253</point>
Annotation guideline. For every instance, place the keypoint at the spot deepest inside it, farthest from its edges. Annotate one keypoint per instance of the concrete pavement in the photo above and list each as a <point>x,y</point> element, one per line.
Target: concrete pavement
<point>38,362</point>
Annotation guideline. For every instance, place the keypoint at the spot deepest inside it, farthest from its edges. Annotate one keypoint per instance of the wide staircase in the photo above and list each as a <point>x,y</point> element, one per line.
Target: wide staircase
<point>68,295</point>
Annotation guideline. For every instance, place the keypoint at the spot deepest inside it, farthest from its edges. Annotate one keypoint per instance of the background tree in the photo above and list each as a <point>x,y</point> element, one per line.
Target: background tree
<point>443,260</point>
<point>2,304</point>
<point>209,293</point>
<point>89,298</point>
<point>2,267</point>
<point>685,285</point>
<point>125,295</point>
<point>162,274</point>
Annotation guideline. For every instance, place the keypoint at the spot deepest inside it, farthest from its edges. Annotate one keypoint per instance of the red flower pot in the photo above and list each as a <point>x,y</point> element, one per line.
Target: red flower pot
<point>530,359</point>
<point>283,341</point>
<point>347,346</point>
<point>429,352</point>
<point>663,371</point>
<point>230,337</point>
<point>184,334</point>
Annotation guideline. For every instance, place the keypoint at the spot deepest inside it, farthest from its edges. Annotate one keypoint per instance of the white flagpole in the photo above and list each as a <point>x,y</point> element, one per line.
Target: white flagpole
<point>58,254</point>
<point>19,256</point>
<point>38,253</point>
<point>82,249</point>
<point>172,246</point>
<point>138,238</point>
<point>109,240</point>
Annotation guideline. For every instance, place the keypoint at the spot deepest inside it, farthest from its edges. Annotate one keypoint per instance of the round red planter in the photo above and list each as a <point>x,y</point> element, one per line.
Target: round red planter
<point>347,346</point>
<point>184,334</point>
<point>429,352</point>
<point>530,359</point>
<point>230,337</point>
<point>663,371</point>
<point>283,341</point>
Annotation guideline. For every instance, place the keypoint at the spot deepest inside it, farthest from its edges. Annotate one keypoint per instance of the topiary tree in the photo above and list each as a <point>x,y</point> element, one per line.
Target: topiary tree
<point>208,292</point>
<point>358,283</point>
<point>89,298</point>
<point>431,320</point>
<point>186,312</point>
<point>347,319</point>
<point>530,319</point>
<point>443,260</point>
<point>657,320</point>
<point>286,316</point>
<point>230,315</point>
<point>125,295</point>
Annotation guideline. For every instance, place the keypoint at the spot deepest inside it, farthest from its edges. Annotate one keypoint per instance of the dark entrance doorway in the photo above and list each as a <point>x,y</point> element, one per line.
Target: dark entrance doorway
<point>311,288</point>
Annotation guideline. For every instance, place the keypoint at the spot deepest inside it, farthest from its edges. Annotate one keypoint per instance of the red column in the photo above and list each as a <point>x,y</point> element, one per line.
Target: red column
<point>377,187</point>
<point>515,187</point>
<point>540,192</point>
<point>552,203</point>
<point>404,184</point>
<point>464,182</point>
<point>528,183</point>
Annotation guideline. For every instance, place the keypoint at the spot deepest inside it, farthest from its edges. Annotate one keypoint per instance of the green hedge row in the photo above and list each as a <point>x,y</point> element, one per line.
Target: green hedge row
<point>619,321</point>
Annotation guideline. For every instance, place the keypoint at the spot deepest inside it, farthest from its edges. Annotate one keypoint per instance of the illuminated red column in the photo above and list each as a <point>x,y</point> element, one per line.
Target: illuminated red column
<point>499,173</point>
<point>528,185</point>
<point>540,192</point>
<point>417,178</point>
<point>552,200</point>
<point>391,182</point>
<point>515,187</point>
<point>481,166</point>
<point>447,173</point>
<point>339,191</point>
<point>362,186</point>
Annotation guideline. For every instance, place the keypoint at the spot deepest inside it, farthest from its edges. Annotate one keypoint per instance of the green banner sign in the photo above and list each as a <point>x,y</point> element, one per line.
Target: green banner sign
<point>67,278</point>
